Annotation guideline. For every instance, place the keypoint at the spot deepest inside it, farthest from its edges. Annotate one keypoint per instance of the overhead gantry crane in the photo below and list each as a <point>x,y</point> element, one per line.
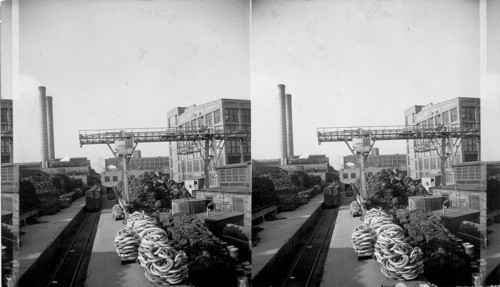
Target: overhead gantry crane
<point>205,140</point>
<point>442,138</point>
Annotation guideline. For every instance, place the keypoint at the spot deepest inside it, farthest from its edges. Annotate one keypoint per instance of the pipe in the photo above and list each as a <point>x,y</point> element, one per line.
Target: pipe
<point>50,129</point>
<point>282,126</point>
<point>43,127</point>
<point>289,124</point>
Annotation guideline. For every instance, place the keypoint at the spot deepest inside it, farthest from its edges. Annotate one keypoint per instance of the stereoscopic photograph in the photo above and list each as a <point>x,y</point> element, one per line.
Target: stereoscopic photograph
<point>238,143</point>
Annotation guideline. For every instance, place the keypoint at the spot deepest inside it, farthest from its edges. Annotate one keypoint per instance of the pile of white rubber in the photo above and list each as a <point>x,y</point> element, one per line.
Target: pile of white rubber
<point>162,263</point>
<point>127,243</point>
<point>355,209</point>
<point>118,213</point>
<point>138,221</point>
<point>363,240</point>
<point>398,259</point>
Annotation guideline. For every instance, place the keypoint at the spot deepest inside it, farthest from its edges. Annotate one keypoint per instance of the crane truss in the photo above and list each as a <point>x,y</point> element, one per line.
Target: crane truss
<point>108,136</point>
<point>397,132</point>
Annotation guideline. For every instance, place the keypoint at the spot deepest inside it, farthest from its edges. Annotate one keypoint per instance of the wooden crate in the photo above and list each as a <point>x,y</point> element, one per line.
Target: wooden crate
<point>189,206</point>
<point>427,203</point>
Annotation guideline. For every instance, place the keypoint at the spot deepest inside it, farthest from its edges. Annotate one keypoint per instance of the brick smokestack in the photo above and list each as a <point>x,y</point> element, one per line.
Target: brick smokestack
<point>44,147</point>
<point>50,129</point>
<point>282,125</point>
<point>289,124</point>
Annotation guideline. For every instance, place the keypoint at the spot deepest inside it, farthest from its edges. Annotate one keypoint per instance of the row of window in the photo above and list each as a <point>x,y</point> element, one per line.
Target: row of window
<point>213,118</point>
<point>115,178</point>
<point>451,116</point>
<point>346,175</point>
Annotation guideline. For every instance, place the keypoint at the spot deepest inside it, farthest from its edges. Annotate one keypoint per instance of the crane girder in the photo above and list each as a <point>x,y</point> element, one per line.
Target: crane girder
<point>104,136</point>
<point>397,133</point>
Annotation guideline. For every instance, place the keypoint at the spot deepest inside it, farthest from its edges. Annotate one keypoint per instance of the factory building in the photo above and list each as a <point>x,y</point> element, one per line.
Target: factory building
<point>7,131</point>
<point>422,158</point>
<point>230,114</point>
<point>74,168</point>
<point>313,165</point>
<point>137,162</point>
<point>392,161</point>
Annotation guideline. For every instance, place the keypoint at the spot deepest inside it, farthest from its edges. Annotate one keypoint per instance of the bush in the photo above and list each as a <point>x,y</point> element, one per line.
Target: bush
<point>27,196</point>
<point>263,192</point>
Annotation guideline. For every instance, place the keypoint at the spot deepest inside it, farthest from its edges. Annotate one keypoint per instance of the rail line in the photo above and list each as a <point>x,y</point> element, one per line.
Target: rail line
<point>66,272</point>
<point>306,267</point>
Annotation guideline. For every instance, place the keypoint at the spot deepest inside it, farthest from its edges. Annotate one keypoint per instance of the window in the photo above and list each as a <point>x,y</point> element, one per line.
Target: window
<point>193,123</point>
<point>115,178</point>
<point>446,118</point>
<point>433,163</point>
<point>469,144</point>
<point>469,113</point>
<point>5,146</point>
<point>470,157</point>
<point>353,175</point>
<point>454,115</point>
<point>208,119</point>
<point>200,121</point>
<point>216,116</point>
<point>233,146</point>
<point>231,115</point>
<point>426,163</point>
<point>232,127</point>
<point>106,178</point>
<point>346,175</point>
<point>189,166</point>
<point>4,115</point>
<point>196,165</point>
<point>437,120</point>
<point>245,115</point>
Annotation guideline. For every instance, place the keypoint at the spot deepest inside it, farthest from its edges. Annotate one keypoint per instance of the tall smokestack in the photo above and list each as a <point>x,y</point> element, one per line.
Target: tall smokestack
<point>282,126</point>
<point>50,129</point>
<point>289,124</point>
<point>43,127</point>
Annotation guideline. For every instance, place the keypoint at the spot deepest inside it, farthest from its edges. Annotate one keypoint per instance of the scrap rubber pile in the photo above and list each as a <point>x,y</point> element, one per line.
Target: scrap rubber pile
<point>355,209</point>
<point>142,239</point>
<point>363,240</point>
<point>183,247</point>
<point>380,236</point>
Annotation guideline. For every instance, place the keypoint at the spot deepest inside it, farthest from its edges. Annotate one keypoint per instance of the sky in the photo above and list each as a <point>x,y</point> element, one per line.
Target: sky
<point>357,63</point>
<point>124,64</point>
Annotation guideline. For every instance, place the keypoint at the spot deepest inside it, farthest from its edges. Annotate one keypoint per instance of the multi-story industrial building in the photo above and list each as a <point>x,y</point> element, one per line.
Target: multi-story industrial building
<point>392,161</point>
<point>423,159</point>
<point>7,131</point>
<point>137,162</point>
<point>230,114</point>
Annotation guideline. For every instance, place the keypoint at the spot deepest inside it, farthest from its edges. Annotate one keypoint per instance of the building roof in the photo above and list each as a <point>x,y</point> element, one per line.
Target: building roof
<point>234,165</point>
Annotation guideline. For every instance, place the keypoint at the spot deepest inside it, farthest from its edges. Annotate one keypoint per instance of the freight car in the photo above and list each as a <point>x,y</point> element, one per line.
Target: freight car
<point>331,195</point>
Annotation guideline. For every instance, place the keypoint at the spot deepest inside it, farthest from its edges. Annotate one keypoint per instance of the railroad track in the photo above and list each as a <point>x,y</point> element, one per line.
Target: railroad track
<point>67,269</point>
<point>305,270</point>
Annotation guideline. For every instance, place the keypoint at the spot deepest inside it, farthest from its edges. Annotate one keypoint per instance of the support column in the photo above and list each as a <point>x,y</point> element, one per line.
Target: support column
<point>207,162</point>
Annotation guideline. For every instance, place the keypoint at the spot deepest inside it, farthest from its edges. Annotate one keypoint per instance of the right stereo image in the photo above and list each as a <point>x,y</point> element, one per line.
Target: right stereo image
<point>374,154</point>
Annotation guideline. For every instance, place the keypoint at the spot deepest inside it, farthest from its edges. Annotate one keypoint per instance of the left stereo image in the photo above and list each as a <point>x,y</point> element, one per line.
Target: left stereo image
<point>126,143</point>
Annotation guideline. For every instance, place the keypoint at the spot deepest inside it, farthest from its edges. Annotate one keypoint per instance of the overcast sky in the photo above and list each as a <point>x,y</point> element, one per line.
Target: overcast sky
<point>115,64</point>
<point>357,63</point>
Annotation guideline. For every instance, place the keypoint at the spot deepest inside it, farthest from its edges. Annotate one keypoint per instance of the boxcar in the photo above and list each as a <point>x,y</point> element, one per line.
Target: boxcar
<point>331,196</point>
